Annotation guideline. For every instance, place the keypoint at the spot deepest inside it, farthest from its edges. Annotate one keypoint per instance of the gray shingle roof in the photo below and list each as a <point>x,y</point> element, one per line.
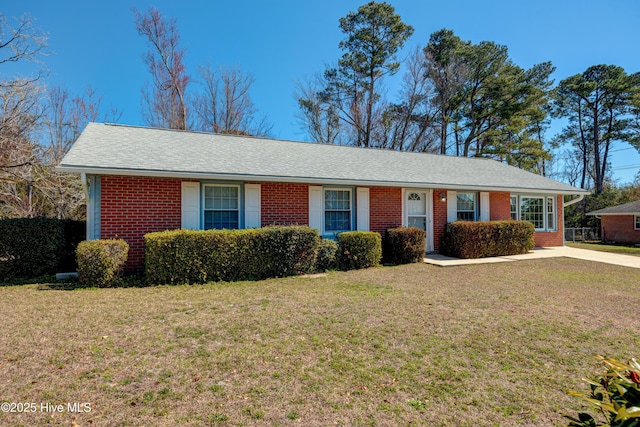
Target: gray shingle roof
<point>127,150</point>
<point>632,208</point>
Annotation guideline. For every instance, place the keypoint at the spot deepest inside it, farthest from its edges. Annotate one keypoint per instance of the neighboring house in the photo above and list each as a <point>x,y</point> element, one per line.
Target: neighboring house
<point>621,223</point>
<point>140,180</point>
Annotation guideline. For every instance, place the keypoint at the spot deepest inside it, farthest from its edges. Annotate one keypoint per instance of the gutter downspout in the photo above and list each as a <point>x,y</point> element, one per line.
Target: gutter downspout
<point>573,201</point>
<point>85,187</point>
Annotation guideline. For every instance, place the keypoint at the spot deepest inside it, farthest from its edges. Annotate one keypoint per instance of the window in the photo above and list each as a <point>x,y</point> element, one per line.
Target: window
<point>551,214</point>
<point>466,206</point>
<point>538,210</point>
<point>532,210</point>
<point>514,207</point>
<point>637,222</point>
<point>221,207</point>
<point>337,210</point>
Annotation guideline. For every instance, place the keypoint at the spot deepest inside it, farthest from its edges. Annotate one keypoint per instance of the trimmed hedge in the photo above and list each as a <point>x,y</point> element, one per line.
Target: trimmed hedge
<point>404,245</point>
<point>464,239</point>
<point>359,249</point>
<point>184,256</point>
<point>326,259</point>
<point>101,262</point>
<point>31,247</point>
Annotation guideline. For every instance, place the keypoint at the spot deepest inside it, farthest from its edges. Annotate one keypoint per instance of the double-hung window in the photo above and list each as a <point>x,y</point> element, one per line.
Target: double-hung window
<point>466,206</point>
<point>337,210</point>
<point>514,207</point>
<point>636,222</point>
<point>221,206</point>
<point>538,210</point>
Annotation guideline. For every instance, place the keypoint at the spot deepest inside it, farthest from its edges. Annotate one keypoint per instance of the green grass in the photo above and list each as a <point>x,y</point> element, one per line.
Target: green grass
<point>618,249</point>
<point>484,345</point>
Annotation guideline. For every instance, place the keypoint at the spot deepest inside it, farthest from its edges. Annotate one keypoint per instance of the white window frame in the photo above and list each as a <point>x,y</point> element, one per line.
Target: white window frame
<point>514,206</point>
<point>547,210</point>
<point>324,209</point>
<point>636,222</point>
<point>204,209</point>
<point>475,206</point>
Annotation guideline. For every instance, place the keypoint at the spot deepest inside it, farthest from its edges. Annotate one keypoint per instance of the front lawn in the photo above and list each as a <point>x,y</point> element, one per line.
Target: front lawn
<point>482,345</point>
<point>602,247</point>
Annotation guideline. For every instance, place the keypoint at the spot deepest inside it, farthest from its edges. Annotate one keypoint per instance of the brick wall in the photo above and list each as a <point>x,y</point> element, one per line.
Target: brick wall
<point>619,229</point>
<point>284,204</point>
<point>499,206</point>
<point>385,208</point>
<point>134,206</point>
<point>439,218</point>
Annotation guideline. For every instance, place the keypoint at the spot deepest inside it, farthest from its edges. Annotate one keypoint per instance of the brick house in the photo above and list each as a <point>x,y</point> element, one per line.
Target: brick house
<point>140,180</point>
<point>621,223</point>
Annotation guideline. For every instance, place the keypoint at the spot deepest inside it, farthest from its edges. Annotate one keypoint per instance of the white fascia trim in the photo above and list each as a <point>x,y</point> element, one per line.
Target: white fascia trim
<point>309,180</point>
<point>614,214</point>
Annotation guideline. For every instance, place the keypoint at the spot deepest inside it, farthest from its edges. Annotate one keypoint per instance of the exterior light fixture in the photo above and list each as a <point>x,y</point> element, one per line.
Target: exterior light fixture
<point>443,196</point>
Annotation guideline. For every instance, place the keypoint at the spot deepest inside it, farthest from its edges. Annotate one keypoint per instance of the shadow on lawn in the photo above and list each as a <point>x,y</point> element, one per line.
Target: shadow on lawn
<point>49,283</point>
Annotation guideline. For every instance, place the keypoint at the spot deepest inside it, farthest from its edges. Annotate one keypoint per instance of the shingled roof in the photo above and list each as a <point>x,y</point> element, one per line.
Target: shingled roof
<point>107,149</point>
<point>631,208</point>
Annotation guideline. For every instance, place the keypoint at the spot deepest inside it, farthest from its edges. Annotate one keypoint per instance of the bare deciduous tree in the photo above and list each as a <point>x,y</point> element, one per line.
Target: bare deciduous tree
<point>165,104</point>
<point>225,106</point>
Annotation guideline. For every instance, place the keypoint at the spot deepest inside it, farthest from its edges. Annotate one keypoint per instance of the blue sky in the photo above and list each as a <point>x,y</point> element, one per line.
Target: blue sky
<point>283,41</point>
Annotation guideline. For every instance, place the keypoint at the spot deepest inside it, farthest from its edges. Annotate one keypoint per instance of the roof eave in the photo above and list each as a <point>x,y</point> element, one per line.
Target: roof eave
<point>303,180</point>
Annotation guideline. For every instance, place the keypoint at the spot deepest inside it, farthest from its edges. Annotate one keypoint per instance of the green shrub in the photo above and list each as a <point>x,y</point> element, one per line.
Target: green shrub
<point>463,239</point>
<point>101,262</point>
<point>29,247</point>
<point>359,249</point>
<point>614,397</point>
<point>184,256</point>
<point>32,247</point>
<point>326,259</point>
<point>404,245</point>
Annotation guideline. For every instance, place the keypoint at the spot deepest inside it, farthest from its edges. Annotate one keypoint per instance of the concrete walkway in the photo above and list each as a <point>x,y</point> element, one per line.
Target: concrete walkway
<point>537,253</point>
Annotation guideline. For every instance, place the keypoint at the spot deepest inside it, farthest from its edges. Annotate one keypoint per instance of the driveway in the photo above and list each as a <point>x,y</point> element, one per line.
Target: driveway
<point>561,251</point>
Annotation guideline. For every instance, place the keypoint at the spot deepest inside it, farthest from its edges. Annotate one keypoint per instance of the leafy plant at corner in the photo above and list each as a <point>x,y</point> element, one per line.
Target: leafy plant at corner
<point>463,239</point>
<point>359,249</point>
<point>326,258</point>
<point>101,262</point>
<point>614,396</point>
<point>404,245</point>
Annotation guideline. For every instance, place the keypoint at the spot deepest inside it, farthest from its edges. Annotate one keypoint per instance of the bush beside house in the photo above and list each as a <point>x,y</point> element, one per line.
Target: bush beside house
<point>101,262</point>
<point>359,249</point>
<point>463,239</point>
<point>183,256</point>
<point>32,247</point>
<point>404,245</point>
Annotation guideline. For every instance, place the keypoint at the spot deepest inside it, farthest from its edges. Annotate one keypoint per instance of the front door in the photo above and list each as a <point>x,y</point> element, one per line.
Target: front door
<point>417,211</point>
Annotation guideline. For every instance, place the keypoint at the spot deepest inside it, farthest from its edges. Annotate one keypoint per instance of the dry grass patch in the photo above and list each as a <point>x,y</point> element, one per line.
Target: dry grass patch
<point>480,345</point>
<point>603,247</point>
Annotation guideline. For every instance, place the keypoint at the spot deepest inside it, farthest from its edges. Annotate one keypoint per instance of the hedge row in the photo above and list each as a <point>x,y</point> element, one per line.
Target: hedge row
<point>32,247</point>
<point>183,256</point>
<point>463,239</point>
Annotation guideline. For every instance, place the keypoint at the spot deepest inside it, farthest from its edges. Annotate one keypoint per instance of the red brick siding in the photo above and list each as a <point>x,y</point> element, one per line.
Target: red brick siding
<point>545,239</point>
<point>439,218</point>
<point>134,206</point>
<point>284,204</point>
<point>499,206</point>
<point>385,208</point>
<point>619,229</point>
